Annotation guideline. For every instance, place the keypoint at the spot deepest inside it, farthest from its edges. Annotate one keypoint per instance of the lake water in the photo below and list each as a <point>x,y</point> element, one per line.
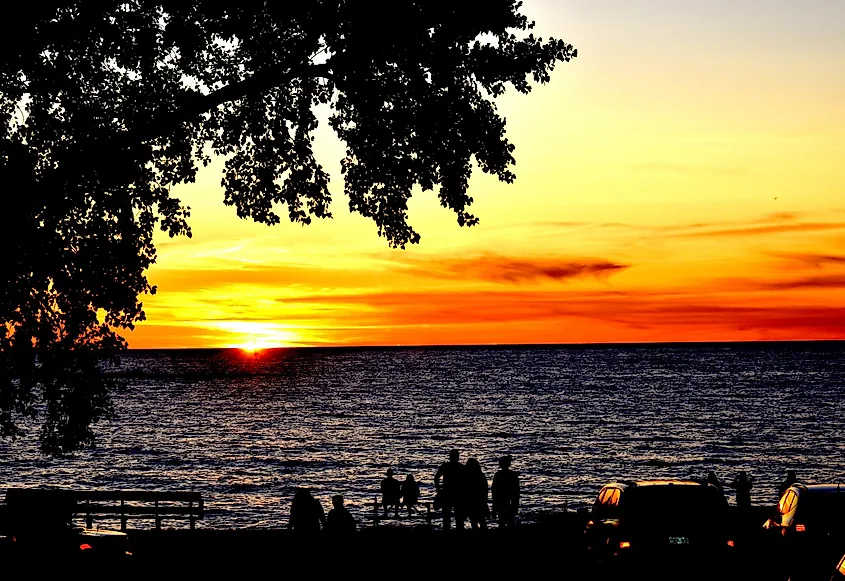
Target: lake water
<point>246,429</point>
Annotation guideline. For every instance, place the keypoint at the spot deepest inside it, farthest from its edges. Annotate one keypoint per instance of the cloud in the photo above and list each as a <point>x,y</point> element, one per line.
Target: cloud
<point>419,298</point>
<point>704,231</point>
<point>779,217</point>
<point>258,275</point>
<point>674,314</point>
<point>683,229</point>
<point>489,268</point>
<point>773,223</point>
<point>814,271</point>
<point>833,281</point>
<point>813,260</point>
<point>514,270</point>
<point>508,314</point>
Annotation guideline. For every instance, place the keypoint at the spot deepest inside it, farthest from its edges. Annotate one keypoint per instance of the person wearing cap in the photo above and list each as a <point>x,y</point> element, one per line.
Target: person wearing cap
<point>505,493</point>
<point>391,493</point>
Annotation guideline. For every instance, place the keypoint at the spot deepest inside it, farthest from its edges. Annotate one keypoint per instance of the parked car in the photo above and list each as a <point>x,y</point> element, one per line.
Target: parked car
<point>103,544</point>
<point>811,513</point>
<point>839,574</point>
<point>658,517</point>
<point>809,529</point>
<point>38,524</point>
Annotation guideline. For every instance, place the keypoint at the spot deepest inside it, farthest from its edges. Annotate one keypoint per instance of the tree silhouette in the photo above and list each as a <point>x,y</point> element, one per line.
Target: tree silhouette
<point>106,105</point>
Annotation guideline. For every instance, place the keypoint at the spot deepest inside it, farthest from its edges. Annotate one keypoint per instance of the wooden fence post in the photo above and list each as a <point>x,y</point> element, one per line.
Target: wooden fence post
<point>89,519</point>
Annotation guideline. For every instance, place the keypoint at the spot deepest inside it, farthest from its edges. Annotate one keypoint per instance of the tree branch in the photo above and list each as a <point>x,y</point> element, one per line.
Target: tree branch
<point>259,82</point>
<point>197,104</point>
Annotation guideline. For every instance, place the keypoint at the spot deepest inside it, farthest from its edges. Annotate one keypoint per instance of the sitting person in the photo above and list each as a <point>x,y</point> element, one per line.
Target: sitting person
<point>390,492</point>
<point>306,512</point>
<point>340,520</point>
<point>410,493</point>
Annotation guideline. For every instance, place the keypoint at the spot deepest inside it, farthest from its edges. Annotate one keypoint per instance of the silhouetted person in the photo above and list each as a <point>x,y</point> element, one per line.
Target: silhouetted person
<point>410,493</point>
<point>790,480</point>
<point>505,492</point>
<point>742,485</point>
<point>390,492</point>
<point>475,495</point>
<point>450,492</point>
<point>340,520</point>
<point>306,512</point>
<point>714,480</point>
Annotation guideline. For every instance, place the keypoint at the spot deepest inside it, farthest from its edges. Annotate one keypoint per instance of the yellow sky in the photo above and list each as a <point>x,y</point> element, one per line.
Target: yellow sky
<point>682,179</point>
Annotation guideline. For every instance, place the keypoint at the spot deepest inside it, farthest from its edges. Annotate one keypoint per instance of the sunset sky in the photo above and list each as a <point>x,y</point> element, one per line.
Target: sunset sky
<point>683,179</point>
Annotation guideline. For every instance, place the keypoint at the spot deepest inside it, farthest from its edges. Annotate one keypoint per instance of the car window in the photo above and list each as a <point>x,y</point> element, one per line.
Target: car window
<point>659,506</point>
<point>787,501</point>
<point>599,501</point>
<point>820,508</point>
<point>607,503</point>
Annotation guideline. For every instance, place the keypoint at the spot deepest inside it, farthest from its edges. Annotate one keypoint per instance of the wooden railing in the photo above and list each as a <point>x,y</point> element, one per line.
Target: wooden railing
<point>403,514</point>
<point>429,514</point>
<point>47,504</point>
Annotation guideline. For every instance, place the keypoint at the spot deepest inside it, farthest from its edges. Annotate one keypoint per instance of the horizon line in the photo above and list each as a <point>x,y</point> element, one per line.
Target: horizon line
<point>513,345</point>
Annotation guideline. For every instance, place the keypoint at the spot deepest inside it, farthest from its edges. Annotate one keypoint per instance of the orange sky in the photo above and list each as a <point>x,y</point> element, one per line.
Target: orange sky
<point>682,180</point>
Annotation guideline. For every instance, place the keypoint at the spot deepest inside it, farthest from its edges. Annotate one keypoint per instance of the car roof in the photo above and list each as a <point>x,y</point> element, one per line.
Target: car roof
<point>819,488</point>
<point>647,483</point>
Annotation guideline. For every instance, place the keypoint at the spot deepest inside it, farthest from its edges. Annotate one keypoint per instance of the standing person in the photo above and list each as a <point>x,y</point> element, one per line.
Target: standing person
<point>790,480</point>
<point>410,493</point>
<point>390,492</point>
<point>475,495</point>
<point>742,485</point>
<point>714,480</point>
<point>505,492</point>
<point>306,512</point>
<point>340,520</point>
<point>450,492</point>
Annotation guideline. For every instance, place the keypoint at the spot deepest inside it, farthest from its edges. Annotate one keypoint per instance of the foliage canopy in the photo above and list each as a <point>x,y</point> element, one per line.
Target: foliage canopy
<point>106,105</point>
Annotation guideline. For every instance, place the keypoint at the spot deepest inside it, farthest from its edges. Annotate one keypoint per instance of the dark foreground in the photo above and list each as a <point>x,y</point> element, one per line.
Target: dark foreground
<point>553,549</point>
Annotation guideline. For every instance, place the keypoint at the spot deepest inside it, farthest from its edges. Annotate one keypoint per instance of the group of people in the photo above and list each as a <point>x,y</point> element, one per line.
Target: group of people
<point>395,493</point>
<point>461,492</point>
<point>307,514</point>
<point>742,485</point>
